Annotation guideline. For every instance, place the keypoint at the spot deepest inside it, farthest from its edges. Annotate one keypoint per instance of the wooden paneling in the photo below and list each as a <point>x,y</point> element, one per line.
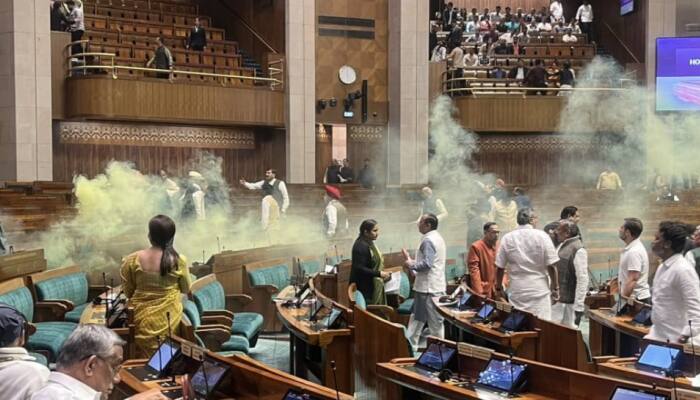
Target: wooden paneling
<point>368,141</point>
<point>491,4</point>
<point>324,150</point>
<point>59,41</point>
<point>91,159</point>
<point>157,100</point>
<point>630,29</point>
<point>369,58</point>
<point>435,71</point>
<point>510,113</point>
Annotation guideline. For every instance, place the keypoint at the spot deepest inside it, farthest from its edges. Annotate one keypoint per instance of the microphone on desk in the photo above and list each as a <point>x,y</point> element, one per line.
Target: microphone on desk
<point>695,382</point>
<point>671,370</point>
<point>160,356</point>
<point>107,289</point>
<point>170,341</point>
<point>335,380</point>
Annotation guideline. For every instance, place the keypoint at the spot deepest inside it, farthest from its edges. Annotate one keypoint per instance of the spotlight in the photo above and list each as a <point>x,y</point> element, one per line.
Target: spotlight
<point>333,101</point>
<point>321,105</point>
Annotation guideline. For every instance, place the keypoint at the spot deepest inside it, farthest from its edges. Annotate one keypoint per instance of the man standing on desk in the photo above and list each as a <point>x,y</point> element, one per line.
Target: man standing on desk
<point>275,189</point>
<point>676,294</point>
<point>531,259</point>
<point>429,271</point>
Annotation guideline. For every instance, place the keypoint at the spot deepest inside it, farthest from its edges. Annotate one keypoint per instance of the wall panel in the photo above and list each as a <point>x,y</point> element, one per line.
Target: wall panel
<point>510,113</point>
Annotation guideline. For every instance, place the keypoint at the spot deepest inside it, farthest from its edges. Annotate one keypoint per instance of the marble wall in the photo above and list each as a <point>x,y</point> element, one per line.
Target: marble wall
<point>25,90</point>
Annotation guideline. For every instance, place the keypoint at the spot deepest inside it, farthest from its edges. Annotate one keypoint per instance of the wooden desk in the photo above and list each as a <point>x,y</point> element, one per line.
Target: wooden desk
<point>399,381</point>
<point>247,380</point>
<point>21,263</point>
<point>613,335</point>
<point>523,344</point>
<point>334,344</point>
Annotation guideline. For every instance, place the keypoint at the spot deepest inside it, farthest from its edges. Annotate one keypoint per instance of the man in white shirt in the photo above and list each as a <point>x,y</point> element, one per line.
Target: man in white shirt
<point>471,59</point>
<point>529,257</point>
<point>439,53</point>
<point>271,186</point>
<point>633,273</point>
<point>431,204</point>
<point>496,16</point>
<point>88,367</point>
<point>572,270</point>
<point>456,60</point>
<point>335,216</point>
<point>20,374</point>
<point>193,204</point>
<point>428,268</point>
<point>569,37</point>
<point>77,26</point>
<point>676,295</point>
<point>556,10</point>
<point>584,16</point>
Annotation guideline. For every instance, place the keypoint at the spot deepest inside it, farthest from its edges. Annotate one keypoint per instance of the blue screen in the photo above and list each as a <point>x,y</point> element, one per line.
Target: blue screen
<point>331,317</point>
<point>464,299</point>
<point>435,357</point>
<point>162,356</point>
<point>513,322</point>
<point>626,6</point>
<point>294,395</point>
<point>643,315</point>
<point>678,74</point>
<point>485,311</point>
<point>630,394</point>
<point>501,374</point>
<point>658,356</point>
<point>207,377</point>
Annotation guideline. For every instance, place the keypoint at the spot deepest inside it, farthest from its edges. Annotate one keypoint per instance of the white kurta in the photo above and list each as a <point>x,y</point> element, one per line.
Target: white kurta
<point>265,206</point>
<point>565,314</point>
<point>525,253</point>
<point>676,300</point>
<point>634,257</point>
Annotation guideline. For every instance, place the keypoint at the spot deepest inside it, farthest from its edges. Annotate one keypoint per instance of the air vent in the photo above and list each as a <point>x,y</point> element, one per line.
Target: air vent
<point>692,27</point>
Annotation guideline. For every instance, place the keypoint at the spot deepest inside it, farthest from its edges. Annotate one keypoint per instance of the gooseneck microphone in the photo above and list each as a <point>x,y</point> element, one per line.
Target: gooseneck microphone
<point>672,370</point>
<point>692,347</point>
<point>170,339</point>
<point>335,380</point>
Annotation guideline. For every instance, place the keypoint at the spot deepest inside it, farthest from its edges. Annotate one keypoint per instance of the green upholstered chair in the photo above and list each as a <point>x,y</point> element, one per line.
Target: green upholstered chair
<point>49,336</point>
<point>406,306</point>
<point>215,337</point>
<point>208,294</point>
<point>263,280</point>
<point>358,299</point>
<point>454,265</point>
<point>67,285</point>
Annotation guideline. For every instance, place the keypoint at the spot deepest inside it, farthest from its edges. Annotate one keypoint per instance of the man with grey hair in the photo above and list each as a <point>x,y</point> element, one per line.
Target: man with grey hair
<point>530,259</point>
<point>88,367</point>
<point>431,205</point>
<point>572,270</point>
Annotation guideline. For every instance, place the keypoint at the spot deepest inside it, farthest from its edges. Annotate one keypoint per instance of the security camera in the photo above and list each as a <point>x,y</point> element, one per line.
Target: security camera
<point>333,102</point>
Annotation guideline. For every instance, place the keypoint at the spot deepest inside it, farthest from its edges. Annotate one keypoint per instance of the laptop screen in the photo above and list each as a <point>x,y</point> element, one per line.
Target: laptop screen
<point>643,316</point>
<point>330,319</point>
<point>296,395</point>
<point>632,394</point>
<point>485,311</point>
<point>162,357</point>
<point>502,375</point>
<point>464,300</point>
<point>207,377</point>
<point>659,357</point>
<point>513,322</point>
<point>436,357</point>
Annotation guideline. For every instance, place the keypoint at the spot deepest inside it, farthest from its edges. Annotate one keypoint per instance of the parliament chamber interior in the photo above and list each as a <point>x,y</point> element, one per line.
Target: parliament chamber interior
<point>349,199</point>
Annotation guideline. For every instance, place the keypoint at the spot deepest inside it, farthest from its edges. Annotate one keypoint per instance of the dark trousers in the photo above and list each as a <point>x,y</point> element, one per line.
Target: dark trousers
<point>587,28</point>
<point>75,36</point>
<point>197,47</point>
<point>456,74</point>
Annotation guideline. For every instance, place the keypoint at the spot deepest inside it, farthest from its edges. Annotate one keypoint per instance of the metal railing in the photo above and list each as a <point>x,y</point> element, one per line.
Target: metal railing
<point>113,68</point>
<point>275,70</point>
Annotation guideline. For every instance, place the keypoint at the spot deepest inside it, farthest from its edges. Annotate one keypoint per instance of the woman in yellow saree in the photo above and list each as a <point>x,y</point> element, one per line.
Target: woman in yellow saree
<point>153,279</point>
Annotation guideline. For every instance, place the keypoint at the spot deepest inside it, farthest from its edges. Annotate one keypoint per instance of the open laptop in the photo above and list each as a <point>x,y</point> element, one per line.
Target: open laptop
<point>622,393</point>
<point>207,378</point>
<point>484,313</point>
<point>157,366</point>
<point>643,317</point>
<point>658,359</point>
<point>504,376</point>
<point>513,322</point>
<point>297,395</point>
<point>434,359</point>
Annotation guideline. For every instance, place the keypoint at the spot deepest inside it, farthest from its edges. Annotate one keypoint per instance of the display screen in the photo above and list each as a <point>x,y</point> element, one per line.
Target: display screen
<point>436,357</point>
<point>162,357</point>
<point>678,74</point>
<point>296,395</point>
<point>207,377</point>
<point>502,375</point>
<point>464,300</point>
<point>513,322</point>
<point>626,6</point>
<point>485,311</point>
<point>631,394</point>
<point>643,316</point>
<point>330,319</point>
<point>659,356</point>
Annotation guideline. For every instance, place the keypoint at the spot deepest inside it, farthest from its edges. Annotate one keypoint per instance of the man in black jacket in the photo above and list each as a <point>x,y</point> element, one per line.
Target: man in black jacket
<point>197,39</point>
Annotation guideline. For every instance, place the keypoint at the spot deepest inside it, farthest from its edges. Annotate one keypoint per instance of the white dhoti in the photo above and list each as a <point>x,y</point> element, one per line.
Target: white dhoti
<point>564,314</point>
<point>541,306</point>
<point>270,212</point>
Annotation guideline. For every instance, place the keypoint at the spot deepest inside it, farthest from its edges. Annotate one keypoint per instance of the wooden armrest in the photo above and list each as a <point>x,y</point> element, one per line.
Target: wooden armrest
<point>270,289</point>
<point>51,310</point>
<point>217,320</point>
<point>240,298</point>
<point>216,313</point>
<point>383,311</point>
<point>213,337</point>
<point>602,359</point>
<point>67,304</point>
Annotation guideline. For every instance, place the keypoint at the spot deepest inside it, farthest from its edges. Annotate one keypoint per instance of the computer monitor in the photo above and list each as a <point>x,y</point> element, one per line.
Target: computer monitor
<point>297,395</point>
<point>622,393</point>
<point>304,293</point>
<point>513,322</point>
<point>464,301</point>
<point>209,375</point>
<point>643,317</point>
<point>331,318</point>
<point>436,357</point>
<point>161,359</point>
<point>658,359</point>
<point>503,375</point>
<point>485,311</point>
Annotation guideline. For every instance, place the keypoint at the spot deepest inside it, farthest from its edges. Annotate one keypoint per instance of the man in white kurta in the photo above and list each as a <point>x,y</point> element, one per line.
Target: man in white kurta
<point>429,271</point>
<point>529,257</point>
<point>633,274</point>
<point>676,289</point>
<point>271,186</point>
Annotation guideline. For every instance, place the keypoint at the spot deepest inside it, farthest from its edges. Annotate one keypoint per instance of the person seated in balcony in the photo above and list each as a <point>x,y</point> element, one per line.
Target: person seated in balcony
<point>471,59</point>
<point>502,48</point>
<point>197,39</point>
<point>439,52</point>
<point>559,27</point>
<point>569,37</point>
<point>567,78</point>
<point>519,72</point>
<point>163,60</point>
<point>536,78</point>
<point>472,24</point>
<point>497,72</point>
<point>543,25</point>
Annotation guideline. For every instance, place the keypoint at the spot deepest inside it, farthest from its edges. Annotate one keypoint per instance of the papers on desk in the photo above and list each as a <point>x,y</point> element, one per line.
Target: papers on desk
<point>330,269</point>
<point>394,284</point>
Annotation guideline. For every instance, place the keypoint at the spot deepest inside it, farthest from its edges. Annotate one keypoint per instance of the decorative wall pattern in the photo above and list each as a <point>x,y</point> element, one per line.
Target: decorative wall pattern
<point>367,133</point>
<point>549,142</point>
<point>155,135</point>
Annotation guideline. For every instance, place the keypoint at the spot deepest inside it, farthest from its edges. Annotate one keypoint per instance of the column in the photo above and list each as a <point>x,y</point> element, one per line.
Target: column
<point>25,90</point>
<point>408,92</point>
<point>660,23</point>
<point>300,87</point>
